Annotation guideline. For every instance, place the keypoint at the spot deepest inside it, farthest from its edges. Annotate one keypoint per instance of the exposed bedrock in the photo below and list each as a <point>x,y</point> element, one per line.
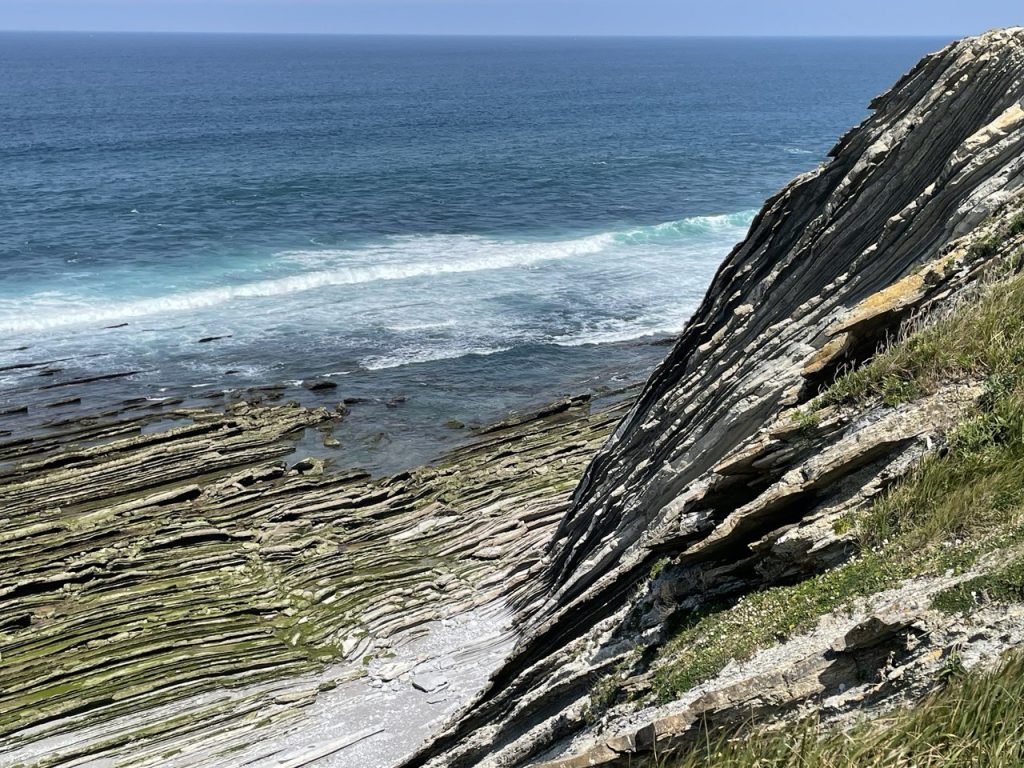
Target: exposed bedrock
<point>708,466</point>
<point>184,596</point>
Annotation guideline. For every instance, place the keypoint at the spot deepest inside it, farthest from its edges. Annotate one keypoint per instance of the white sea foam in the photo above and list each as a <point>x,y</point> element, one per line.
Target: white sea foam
<point>391,259</point>
<point>732,225</point>
<point>495,256</point>
<point>410,327</point>
<point>630,332</point>
<point>625,332</point>
<point>458,253</point>
<point>381,362</point>
<point>659,321</point>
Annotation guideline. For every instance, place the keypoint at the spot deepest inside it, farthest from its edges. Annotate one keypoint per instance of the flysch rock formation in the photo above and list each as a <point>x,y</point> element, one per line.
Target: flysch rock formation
<point>188,592</point>
<point>177,587</point>
<point>711,470</point>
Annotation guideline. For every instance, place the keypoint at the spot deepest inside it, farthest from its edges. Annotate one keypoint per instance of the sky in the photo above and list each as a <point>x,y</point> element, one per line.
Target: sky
<point>947,18</point>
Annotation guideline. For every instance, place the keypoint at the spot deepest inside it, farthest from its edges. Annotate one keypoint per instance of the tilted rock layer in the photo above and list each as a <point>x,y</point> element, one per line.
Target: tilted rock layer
<point>148,573</point>
<point>707,466</point>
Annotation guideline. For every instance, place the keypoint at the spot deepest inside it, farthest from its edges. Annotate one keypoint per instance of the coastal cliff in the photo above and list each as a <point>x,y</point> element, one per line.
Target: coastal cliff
<point>814,507</point>
<point>754,450</point>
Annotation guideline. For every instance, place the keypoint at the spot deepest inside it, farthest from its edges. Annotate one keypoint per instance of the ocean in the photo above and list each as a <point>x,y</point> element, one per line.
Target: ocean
<point>453,227</point>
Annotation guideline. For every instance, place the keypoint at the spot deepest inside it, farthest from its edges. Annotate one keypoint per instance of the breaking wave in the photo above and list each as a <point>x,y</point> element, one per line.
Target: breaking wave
<point>391,259</point>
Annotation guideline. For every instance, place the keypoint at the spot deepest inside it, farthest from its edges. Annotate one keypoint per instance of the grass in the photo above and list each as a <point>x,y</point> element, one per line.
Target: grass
<point>959,502</point>
<point>806,421</point>
<point>720,634</point>
<point>974,341</point>
<point>602,695</point>
<point>962,501</point>
<point>976,720</point>
<point>976,486</point>
<point>1005,585</point>
<point>979,339</point>
<point>714,637</point>
<point>990,246</point>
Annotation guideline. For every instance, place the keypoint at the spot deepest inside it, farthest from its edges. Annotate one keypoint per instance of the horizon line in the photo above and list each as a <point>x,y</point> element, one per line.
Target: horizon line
<point>552,35</point>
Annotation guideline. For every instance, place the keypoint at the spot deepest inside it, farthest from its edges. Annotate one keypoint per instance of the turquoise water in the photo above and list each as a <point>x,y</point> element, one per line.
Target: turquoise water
<point>474,224</point>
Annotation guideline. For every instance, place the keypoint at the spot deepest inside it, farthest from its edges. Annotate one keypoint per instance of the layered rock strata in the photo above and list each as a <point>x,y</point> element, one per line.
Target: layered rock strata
<point>887,651</point>
<point>144,570</point>
<point>151,567</point>
<point>709,468</point>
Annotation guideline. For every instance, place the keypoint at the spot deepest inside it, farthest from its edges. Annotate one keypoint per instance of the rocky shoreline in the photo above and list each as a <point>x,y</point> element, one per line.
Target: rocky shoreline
<point>724,548</point>
<point>394,419</point>
<point>167,576</point>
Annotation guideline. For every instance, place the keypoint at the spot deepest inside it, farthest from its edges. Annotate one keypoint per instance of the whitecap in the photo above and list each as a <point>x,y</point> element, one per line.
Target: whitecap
<point>381,362</point>
<point>495,257</point>
<point>392,259</point>
<point>410,327</point>
<point>733,225</point>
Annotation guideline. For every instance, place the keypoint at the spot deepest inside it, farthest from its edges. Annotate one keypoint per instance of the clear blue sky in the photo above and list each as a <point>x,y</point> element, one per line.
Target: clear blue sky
<point>559,17</point>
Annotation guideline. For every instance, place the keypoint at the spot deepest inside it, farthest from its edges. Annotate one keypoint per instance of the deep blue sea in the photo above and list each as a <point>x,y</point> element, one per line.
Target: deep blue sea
<point>474,224</point>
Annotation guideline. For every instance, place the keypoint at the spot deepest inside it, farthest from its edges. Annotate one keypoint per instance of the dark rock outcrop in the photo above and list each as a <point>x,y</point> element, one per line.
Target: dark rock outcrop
<point>706,467</point>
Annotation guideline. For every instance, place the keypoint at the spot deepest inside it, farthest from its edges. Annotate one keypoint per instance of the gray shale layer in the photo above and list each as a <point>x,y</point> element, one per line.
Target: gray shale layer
<point>192,595</point>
